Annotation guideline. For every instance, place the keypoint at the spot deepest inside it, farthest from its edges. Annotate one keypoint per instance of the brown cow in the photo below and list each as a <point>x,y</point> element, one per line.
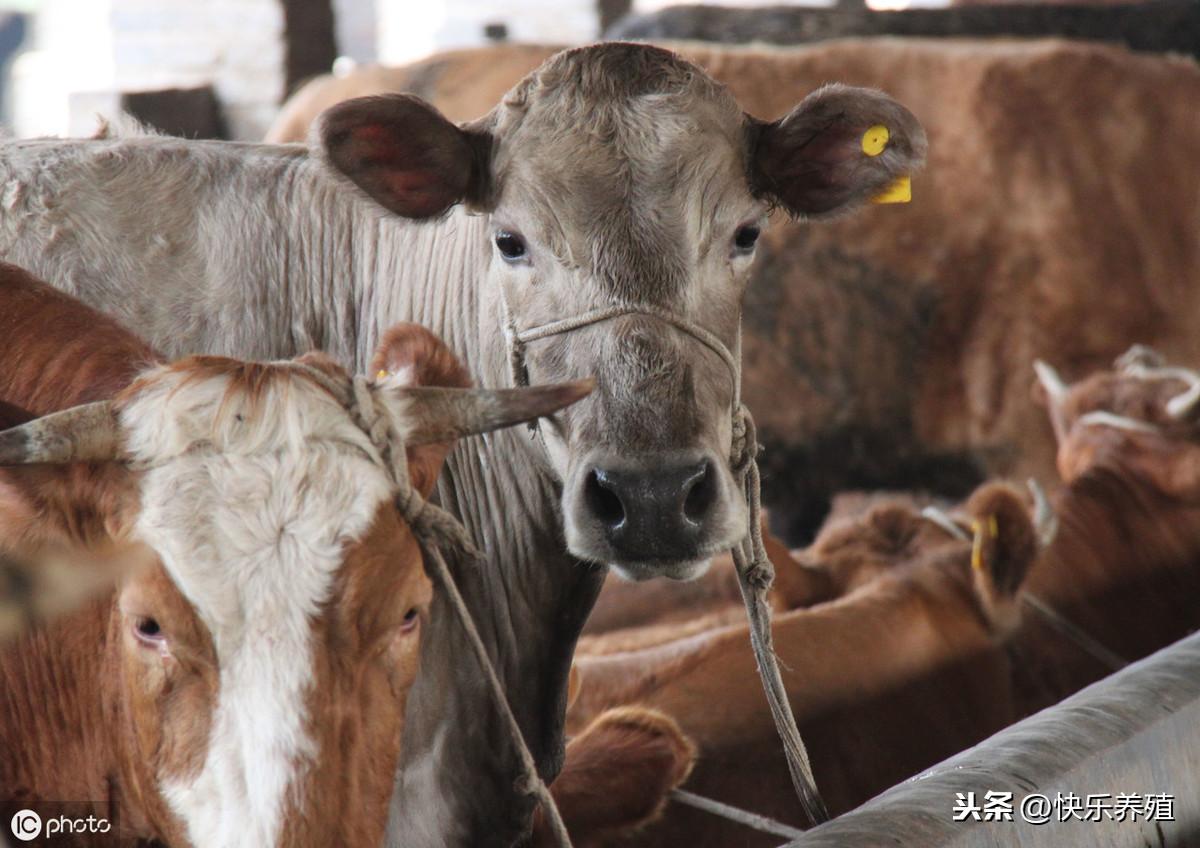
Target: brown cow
<point>56,351</point>
<point>1126,563</point>
<point>247,685</point>
<point>617,775</point>
<point>880,657</point>
<point>893,354</point>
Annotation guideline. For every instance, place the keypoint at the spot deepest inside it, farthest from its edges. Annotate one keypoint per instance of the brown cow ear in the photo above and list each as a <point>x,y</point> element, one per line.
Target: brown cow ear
<point>1004,547</point>
<point>405,154</point>
<point>411,355</point>
<point>839,148</point>
<point>75,506</point>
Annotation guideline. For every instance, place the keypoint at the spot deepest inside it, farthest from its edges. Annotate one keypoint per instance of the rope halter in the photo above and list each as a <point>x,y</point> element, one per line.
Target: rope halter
<point>755,572</point>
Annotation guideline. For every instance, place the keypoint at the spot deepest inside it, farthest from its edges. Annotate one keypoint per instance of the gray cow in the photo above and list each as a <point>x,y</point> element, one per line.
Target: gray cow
<point>614,174</point>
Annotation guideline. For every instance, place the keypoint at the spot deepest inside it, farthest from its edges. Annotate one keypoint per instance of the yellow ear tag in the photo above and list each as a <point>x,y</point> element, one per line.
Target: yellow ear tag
<point>977,541</point>
<point>875,139</point>
<point>382,374</point>
<point>900,191</point>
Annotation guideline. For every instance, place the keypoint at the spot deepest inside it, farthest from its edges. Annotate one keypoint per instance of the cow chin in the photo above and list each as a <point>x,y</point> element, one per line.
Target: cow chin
<point>673,570</point>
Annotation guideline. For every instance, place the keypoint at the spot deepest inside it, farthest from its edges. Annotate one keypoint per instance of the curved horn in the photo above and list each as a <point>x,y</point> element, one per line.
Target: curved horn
<point>436,414</point>
<point>1183,405</point>
<point>941,519</point>
<point>1103,418</point>
<point>87,433</point>
<point>1139,357</point>
<point>1045,520</point>
<point>1055,388</point>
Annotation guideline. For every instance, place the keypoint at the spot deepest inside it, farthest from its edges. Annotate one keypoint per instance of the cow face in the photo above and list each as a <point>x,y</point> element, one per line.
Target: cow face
<point>1140,417</point>
<point>621,175</point>
<point>266,653</point>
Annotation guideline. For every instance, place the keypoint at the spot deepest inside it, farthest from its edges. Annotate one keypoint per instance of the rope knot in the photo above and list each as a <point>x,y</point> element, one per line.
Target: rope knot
<point>760,574</point>
<point>741,450</point>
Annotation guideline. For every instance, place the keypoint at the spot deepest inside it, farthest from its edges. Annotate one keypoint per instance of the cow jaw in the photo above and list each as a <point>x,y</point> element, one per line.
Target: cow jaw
<point>254,543</point>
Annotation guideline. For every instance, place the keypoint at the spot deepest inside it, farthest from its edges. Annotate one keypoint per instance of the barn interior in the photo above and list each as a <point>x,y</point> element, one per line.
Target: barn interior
<point>599,423</point>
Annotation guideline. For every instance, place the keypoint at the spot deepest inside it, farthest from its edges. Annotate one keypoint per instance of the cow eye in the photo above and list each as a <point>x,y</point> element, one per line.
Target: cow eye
<point>148,631</point>
<point>410,620</point>
<point>745,238</point>
<point>510,245</point>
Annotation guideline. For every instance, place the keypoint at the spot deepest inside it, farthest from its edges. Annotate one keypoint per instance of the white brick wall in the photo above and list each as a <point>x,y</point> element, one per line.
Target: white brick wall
<point>410,29</point>
<point>88,49</point>
<point>90,46</point>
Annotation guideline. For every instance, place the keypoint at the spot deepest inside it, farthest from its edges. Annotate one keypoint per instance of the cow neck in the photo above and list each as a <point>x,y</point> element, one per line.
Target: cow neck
<point>529,597</point>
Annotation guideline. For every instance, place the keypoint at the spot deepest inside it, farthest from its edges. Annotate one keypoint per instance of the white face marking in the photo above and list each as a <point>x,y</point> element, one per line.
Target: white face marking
<point>252,529</point>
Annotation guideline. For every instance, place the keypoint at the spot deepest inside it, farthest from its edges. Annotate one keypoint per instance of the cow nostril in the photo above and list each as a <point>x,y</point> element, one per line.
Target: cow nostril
<point>602,500</point>
<point>701,495</point>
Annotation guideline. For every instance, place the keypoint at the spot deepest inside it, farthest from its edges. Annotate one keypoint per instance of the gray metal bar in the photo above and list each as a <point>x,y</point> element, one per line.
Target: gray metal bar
<point>1137,731</point>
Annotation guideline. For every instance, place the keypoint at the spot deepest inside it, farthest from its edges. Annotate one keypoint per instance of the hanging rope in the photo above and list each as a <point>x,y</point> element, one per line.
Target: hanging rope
<point>753,821</point>
<point>755,572</point>
<point>437,530</point>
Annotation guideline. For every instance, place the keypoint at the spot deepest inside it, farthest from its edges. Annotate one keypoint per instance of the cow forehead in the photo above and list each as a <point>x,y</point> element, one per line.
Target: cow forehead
<point>252,494</point>
<point>627,186</point>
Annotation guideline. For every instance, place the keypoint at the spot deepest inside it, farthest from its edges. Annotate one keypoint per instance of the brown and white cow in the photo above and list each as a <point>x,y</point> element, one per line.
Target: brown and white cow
<point>245,685</point>
<point>615,176</point>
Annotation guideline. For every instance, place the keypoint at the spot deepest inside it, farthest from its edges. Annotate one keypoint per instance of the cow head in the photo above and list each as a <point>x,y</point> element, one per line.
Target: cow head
<point>619,174</point>
<point>263,657</point>
<point>1142,416</point>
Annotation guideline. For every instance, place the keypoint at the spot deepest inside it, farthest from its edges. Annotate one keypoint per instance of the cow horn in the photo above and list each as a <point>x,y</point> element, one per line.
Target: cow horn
<point>1045,520</point>
<point>941,519</point>
<point>1104,418</point>
<point>87,433</point>
<point>1055,388</point>
<point>1139,357</point>
<point>1183,405</point>
<point>437,414</point>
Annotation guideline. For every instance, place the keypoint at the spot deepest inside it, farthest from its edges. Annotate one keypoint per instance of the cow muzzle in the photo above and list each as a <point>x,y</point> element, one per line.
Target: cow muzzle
<point>653,516</point>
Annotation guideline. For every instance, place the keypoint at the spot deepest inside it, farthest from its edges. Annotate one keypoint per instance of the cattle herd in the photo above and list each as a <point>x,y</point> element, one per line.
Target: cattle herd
<point>232,374</point>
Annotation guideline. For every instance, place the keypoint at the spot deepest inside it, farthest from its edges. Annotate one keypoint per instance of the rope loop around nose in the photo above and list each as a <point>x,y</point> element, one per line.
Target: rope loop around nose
<point>755,572</point>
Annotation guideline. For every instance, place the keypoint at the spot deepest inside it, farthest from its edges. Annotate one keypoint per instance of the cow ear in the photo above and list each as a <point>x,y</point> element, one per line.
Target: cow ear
<point>839,148</point>
<point>410,355</point>
<point>63,537</point>
<point>1004,547</point>
<point>76,506</point>
<point>405,154</point>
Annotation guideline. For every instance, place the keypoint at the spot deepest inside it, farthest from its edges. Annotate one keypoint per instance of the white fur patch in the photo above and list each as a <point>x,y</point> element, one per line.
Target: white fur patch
<point>250,517</point>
